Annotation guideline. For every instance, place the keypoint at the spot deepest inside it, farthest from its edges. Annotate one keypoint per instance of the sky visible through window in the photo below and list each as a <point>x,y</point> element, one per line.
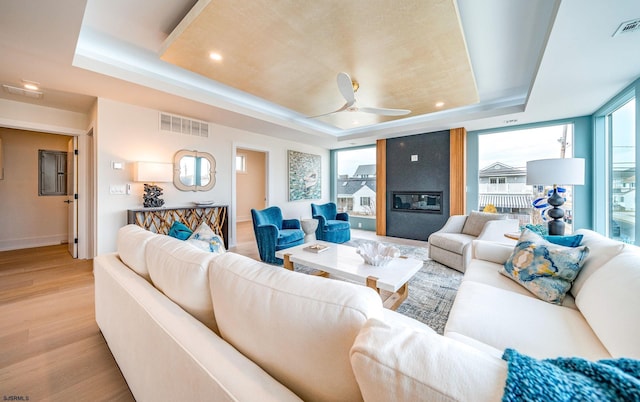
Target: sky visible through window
<point>515,148</point>
<point>348,161</point>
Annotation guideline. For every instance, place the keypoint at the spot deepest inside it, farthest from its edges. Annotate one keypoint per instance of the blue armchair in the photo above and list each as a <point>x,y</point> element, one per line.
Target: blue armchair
<point>274,233</point>
<point>332,226</point>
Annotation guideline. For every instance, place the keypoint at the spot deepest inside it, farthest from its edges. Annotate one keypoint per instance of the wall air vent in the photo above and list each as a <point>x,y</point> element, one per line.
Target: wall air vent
<point>183,125</point>
<point>20,91</point>
<point>627,27</point>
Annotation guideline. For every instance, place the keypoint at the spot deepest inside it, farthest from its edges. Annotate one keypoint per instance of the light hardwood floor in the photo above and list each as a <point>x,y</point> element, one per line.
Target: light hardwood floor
<point>50,345</point>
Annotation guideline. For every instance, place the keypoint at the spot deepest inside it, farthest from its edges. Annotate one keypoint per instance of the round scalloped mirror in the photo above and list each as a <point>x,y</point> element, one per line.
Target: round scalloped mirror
<point>194,171</point>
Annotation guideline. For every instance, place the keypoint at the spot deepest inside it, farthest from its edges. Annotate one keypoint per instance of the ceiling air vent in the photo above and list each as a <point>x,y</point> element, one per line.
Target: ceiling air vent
<point>182,125</point>
<point>628,26</point>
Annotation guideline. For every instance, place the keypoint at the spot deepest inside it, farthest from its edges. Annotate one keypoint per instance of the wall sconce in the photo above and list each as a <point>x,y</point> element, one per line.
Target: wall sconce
<point>153,172</point>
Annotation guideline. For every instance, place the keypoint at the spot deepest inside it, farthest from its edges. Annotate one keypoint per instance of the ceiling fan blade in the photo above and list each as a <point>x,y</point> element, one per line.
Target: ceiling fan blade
<point>346,88</point>
<point>344,107</point>
<point>383,111</point>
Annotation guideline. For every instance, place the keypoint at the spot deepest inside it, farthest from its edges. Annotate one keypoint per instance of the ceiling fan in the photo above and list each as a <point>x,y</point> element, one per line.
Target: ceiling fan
<point>348,89</point>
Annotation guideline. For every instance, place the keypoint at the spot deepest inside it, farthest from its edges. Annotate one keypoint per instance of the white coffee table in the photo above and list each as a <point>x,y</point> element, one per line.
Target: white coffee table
<point>343,262</point>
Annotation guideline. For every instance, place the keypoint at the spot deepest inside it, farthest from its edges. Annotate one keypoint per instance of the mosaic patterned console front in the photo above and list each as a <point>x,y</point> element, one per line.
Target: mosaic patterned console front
<point>159,220</point>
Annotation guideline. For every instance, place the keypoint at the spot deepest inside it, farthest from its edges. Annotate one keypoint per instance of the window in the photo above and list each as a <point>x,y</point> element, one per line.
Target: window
<point>502,172</point>
<point>356,182</point>
<point>52,179</point>
<point>622,171</point>
<point>241,163</point>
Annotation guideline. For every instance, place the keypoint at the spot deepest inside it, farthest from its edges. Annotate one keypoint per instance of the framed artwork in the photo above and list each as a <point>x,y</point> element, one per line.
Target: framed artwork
<point>304,176</point>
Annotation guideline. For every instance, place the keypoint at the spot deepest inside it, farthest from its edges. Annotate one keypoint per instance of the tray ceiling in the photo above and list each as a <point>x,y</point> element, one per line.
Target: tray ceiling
<point>407,55</point>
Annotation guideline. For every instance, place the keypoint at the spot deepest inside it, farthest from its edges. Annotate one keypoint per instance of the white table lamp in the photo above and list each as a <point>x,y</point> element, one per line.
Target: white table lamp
<point>153,172</point>
<point>558,171</point>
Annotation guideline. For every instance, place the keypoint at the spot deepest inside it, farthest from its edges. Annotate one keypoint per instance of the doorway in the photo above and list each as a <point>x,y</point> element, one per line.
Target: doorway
<point>251,182</point>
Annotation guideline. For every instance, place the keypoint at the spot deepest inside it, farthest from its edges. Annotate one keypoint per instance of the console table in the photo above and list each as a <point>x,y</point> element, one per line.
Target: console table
<point>159,220</point>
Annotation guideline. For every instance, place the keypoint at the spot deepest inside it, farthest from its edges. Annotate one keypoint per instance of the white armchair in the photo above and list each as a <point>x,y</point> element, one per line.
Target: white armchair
<point>451,245</point>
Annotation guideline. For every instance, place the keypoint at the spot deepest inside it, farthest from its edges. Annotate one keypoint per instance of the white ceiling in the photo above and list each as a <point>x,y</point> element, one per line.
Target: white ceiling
<point>533,60</point>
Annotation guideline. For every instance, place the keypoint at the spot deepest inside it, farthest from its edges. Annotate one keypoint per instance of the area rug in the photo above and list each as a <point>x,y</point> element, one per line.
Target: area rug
<point>431,291</point>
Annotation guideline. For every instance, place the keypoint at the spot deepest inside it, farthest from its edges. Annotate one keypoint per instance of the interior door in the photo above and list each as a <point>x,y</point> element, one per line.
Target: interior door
<point>72,193</point>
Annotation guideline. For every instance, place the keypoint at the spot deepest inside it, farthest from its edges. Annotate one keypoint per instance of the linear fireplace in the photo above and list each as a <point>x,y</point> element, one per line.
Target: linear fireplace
<point>418,201</point>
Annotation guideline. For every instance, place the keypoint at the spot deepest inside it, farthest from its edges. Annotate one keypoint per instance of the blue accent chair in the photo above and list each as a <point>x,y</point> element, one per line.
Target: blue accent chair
<point>333,227</point>
<point>274,233</point>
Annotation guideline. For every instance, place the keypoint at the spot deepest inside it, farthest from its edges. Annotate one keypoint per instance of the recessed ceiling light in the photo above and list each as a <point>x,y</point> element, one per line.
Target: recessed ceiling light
<point>32,85</point>
<point>215,56</point>
<point>439,104</point>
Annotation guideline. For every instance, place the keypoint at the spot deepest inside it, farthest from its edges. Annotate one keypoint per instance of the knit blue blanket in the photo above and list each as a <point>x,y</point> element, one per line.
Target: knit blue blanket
<point>570,379</point>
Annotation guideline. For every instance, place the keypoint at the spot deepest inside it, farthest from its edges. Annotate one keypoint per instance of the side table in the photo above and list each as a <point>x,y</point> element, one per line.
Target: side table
<point>309,227</point>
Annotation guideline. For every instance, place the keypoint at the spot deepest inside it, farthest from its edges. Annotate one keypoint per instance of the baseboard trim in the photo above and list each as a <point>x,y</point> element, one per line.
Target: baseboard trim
<point>31,242</point>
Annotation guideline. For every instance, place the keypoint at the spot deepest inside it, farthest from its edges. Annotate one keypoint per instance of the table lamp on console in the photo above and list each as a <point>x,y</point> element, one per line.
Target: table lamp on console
<point>558,171</point>
<point>153,172</point>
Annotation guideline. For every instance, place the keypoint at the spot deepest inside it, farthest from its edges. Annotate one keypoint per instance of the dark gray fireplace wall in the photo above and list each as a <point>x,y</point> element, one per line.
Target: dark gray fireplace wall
<point>429,173</point>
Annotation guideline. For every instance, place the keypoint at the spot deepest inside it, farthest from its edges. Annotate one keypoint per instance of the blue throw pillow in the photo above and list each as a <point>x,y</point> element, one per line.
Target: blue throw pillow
<point>545,269</point>
<point>180,231</point>
<point>567,241</point>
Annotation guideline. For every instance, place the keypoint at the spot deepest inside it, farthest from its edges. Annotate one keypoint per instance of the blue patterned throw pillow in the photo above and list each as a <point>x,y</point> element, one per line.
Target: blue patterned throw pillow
<point>545,269</point>
<point>206,239</point>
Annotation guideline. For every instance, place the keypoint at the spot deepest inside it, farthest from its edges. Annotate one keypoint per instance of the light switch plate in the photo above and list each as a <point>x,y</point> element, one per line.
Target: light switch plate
<point>118,189</point>
<point>414,158</point>
<point>117,165</point>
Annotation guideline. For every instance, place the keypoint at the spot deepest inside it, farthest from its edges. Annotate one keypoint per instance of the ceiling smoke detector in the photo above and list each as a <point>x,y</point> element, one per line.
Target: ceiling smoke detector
<point>627,27</point>
<point>21,91</point>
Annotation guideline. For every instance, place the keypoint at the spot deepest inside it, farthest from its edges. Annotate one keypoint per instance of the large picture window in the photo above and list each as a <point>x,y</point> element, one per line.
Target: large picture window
<point>356,183</point>
<point>622,171</point>
<point>502,171</point>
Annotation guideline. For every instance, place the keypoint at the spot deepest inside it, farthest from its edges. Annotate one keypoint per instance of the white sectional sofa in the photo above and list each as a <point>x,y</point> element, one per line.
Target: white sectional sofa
<point>184,324</point>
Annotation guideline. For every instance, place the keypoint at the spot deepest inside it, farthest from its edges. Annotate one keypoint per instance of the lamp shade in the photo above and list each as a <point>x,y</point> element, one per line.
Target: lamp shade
<point>153,172</point>
<point>559,171</point>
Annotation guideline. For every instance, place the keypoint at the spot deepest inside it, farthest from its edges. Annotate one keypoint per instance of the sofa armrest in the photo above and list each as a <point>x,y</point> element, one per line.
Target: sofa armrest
<point>290,224</point>
<point>400,364</point>
<point>495,230</point>
<point>491,251</point>
<point>342,216</point>
<point>454,224</point>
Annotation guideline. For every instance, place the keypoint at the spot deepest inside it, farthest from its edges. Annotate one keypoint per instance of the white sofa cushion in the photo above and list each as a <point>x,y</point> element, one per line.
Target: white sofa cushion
<point>132,242</point>
<point>504,319</point>
<point>601,250</point>
<point>398,364</point>
<point>491,251</point>
<point>610,302</point>
<point>299,328</point>
<point>180,271</point>
<point>482,271</point>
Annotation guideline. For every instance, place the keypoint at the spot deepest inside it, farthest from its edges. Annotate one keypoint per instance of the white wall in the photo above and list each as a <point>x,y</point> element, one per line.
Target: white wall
<point>26,116</point>
<point>127,133</point>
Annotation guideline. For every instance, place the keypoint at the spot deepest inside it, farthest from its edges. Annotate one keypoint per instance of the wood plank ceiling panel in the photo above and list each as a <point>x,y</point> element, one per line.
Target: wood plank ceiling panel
<point>408,54</point>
